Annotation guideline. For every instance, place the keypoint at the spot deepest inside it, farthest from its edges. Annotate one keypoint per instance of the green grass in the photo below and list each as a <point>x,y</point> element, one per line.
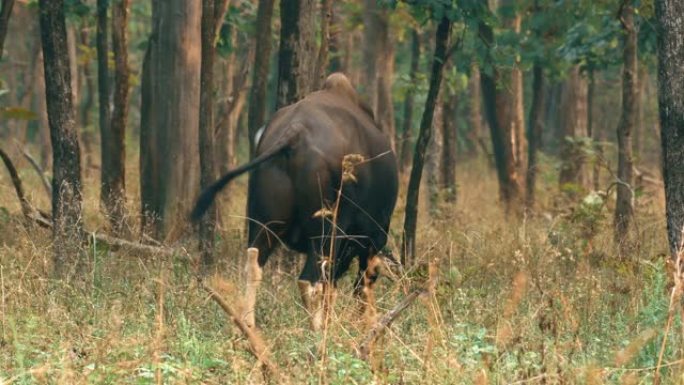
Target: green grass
<point>538,300</point>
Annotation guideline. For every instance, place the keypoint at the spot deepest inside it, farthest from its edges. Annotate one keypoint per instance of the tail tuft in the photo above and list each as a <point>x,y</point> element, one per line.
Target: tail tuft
<point>203,202</point>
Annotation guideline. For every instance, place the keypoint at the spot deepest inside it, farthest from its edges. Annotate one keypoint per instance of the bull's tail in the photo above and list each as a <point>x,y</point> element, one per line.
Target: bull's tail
<point>209,194</point>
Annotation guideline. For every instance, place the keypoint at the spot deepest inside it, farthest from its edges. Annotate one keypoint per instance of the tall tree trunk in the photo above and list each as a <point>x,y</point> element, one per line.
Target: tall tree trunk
<point>207,226</point>
<point>409,102</point>
<point>509,187</point>
<point>592,132</point>
<point>449,138</point>
<point>509,101</point>
<point>66,181</point>
<point>262,57</point>
<point>87,134</point>
<point>475,111</point>
<point>433,157</point>
<point>534,133</point>
<point>5,14</point>
<point>371,47</point>
<point>378,53</point>
<point>384,112</point>
<point>72,45</point>
<point>297,55</point>
<point>324,49</point>
<point>624,210</point>
<point>114,171</point>
<point>574,128</point>
<point>671,109</point>
<point>335,45</point>
<point>411,213</point>
<point>103,86</point>
<point>639,126</point>
<point>43,123</point>
<point>170,116</point>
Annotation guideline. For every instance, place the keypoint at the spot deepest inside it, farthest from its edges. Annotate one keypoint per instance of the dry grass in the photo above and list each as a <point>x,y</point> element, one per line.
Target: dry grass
<point>526,301</point>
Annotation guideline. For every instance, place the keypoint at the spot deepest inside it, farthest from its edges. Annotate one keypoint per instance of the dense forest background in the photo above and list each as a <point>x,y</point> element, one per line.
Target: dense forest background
<point>551,190</point>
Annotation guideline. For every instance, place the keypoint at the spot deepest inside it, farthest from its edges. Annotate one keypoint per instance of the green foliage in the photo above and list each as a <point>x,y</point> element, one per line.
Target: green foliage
<point>18,113</point>
<point>239,19</point>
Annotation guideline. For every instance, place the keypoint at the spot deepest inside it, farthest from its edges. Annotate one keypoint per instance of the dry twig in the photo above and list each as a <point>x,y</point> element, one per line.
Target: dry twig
<point>386,321</point>
<point>256,343</point>
<point>43,178</point>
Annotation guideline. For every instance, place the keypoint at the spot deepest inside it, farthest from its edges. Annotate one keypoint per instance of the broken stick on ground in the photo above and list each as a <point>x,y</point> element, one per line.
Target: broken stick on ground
<point>256,343</point>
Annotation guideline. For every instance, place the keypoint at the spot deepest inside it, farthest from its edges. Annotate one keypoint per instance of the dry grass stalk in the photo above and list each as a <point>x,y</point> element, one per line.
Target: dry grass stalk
<point>433,322</point>
<point>675,298</point>
<point>159,339</point>
<point>504,331</point>
<point>256,343</point>
<point>349,163</point>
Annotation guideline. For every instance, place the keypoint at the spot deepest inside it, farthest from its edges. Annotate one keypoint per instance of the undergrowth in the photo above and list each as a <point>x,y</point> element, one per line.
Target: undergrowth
<point>541,299</point>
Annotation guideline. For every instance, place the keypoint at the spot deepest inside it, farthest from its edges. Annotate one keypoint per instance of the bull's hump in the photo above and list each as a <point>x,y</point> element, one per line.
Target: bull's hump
<point>339,84</point>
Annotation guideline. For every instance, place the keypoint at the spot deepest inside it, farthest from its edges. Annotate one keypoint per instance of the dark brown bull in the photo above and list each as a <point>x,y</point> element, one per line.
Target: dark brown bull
<point>297,172</point>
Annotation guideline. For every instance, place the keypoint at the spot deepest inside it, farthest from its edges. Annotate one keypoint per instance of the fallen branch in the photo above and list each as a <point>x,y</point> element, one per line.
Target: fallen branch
<point>123,243</point>
<point>46,182</point>
<point>44,219</point>
<point>385,322</point>
<point>26,207</point>
<point>256,344</point>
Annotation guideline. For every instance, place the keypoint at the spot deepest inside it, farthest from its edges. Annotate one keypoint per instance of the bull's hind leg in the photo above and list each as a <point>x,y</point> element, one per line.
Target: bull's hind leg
<point>311,289</point>
<point>257,255</point>
<point>364,288</point>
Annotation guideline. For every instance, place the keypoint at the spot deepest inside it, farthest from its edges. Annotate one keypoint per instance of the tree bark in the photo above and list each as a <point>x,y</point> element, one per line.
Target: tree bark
<point>671,110</point>
<point>297,55</point>
<point>103,85</point>
<point>324,49</point>
<point>170,116</point>
<point>535,127</point>
<point>262,57</point>
<point>87,102</point>
<point>475,111</point>
<point>66,181</point>
<point>509,185</point>
<point>592,132</point>
<point>5,14</point>
<point>449,138</point>
<point>573,121</point>
<point>114,170</point>
<point>433,157</point>
<point>624,209</point>
<point>409,102</point>
<point>335,46</point>
<point>43,123</point>
<point>207,226</point>
<point>411,213</point>
<point>371,47</point>
<point>378,53</point>
<point>509,101</point>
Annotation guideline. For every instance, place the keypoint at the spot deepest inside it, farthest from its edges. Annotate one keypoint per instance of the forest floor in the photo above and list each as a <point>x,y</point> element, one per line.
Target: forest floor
<point>542,299</point>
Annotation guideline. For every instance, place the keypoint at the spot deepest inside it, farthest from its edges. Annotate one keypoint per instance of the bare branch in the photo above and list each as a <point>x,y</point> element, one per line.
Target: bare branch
<point>18,187</point>
<point>46,181</point>
<point>386,321</point>
<point>256,342</point>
